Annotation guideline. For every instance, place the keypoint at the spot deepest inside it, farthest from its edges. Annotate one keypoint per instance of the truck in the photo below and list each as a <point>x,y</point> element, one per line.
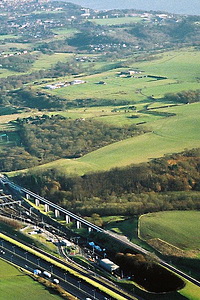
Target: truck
<point>108,265</point>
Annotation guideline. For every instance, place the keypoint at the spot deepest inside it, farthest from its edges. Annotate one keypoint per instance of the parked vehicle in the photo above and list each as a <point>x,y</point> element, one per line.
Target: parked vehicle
<point>108,265</point>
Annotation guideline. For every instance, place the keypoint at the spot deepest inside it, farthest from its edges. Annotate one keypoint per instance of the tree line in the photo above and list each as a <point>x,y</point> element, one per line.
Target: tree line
<point>47,138</point>
<point>18,63</point>
<point>168,183</point>
<point>185,97</point>
<point>148,274</point>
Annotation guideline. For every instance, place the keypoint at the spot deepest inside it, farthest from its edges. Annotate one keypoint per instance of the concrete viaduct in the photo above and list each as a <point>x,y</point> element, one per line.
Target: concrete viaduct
<point>49,206</point>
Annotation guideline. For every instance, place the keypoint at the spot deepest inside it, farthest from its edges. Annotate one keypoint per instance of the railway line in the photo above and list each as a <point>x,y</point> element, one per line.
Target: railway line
<point>33,216</point>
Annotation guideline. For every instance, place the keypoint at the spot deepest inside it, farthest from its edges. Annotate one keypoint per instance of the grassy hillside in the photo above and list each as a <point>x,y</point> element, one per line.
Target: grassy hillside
<point>17,285</point>
<point>169,135</point>
<point>169,226</point>
<point>45,61</point>
<point>180,67</point>
<point>117,21</point>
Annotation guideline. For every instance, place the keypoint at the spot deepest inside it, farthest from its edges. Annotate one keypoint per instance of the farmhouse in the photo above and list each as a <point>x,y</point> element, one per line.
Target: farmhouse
<point>77,82</point>
<point>59,85</point>
<point>130,72</point>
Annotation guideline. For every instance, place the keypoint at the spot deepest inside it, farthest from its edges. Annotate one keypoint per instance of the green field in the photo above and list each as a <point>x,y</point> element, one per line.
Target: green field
<point>16,285</point>
<point>45,61</point>
<point>179,228</point>
<point>180,67</point>
<point>191,292</point>
<point>8,36</point>
<point>125,227</point>
<point>117,21</point>
<point>165,135</point>
<point>129,229</point>
<point>8,47</point>
<point>169,135</point>
<point>64,32</point>
<point>5,73</point>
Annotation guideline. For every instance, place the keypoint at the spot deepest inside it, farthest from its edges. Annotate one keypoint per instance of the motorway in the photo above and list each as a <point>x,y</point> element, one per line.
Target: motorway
<point>72,284</point>
<point>20,189</point>
<point>115,236</point>
<point>30,262</point>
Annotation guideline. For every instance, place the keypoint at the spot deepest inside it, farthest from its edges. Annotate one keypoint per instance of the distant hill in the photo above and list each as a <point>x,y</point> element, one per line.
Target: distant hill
<point>173,6</point>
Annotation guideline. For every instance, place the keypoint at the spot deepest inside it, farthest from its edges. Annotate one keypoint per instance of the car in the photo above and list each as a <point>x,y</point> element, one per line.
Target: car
<point>37,272</point>
<point>47,274</point>
<point>56,281</point>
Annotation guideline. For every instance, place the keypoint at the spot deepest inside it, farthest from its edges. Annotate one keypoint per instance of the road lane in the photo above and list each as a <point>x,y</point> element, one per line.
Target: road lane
<point>31,262</point>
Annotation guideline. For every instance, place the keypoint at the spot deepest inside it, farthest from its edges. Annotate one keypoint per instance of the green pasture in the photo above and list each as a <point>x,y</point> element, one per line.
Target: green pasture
<point>19,46</point>
<point>190,291</point>
<point>5,73</point>
<point>121,119</point>
<point>45,61</point>
<point>168,135</point>
<point>50,12</point>
<point>116,21</point>
<point>179,228</point>
<point>6,118</point>
<point>17,285</point>
<point>126,228</point>
<point>182,128</point>
<point>8,36</point>
<point>118,115</point>
<point>180,67</point>
<point>64,32</point>
<point>116,88</point>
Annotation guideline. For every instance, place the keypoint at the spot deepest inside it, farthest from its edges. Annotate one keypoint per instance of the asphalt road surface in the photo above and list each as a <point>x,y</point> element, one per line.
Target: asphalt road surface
<point>30,262</point>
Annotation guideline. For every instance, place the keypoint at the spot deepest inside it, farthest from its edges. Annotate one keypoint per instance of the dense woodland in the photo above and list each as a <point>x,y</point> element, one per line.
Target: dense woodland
<point>31,99</point>
<point>154,186</point>
<point>44,139</point>
<point>18,63</point>
<point>151,276</point>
